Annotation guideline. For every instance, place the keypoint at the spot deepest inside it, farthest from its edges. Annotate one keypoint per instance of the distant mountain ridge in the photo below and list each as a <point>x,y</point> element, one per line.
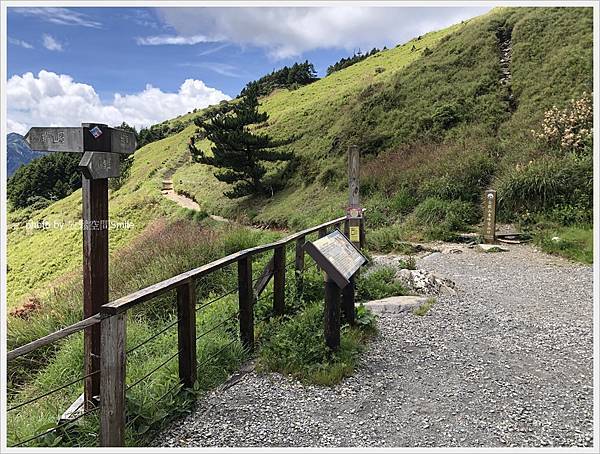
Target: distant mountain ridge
<point>18,153</point>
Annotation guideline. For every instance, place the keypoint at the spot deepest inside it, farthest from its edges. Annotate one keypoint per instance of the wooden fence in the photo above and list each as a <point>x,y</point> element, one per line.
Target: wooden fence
<point>112,320</point>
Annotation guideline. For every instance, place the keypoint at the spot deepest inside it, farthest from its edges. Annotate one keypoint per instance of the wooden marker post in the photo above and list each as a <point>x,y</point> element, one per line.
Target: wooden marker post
<point>101,147</point>
<point>489,216</point>
<point>352,227</point>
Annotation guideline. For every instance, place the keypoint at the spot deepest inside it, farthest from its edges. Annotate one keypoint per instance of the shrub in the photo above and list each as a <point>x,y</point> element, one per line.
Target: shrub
<point>450,215</point>
<point>297,347</point>
<point>386,239</point>
<point>568,129</point>
<point>378,284</point>
<point>560,186</point>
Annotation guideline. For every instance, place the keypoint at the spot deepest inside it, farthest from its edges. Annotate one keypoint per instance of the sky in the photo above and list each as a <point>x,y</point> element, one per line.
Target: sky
<point>66,66</point>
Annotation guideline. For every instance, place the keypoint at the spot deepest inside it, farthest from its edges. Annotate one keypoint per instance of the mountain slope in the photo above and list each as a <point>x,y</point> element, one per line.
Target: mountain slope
<point>433,118</point>
<point>18,153</point>
<point>438,100</point>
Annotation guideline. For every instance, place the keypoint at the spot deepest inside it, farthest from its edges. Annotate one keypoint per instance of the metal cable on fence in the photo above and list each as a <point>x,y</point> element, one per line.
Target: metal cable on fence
<point>177,385</point>
<point>223,322</point>
<point>217,299</point>
<point>130,423</point>
<point>52,391</point>
<point>66,423</point>
<point>204,363</point>
<point>166,328</point>
<point>153,370</point>
<point>260,298</point>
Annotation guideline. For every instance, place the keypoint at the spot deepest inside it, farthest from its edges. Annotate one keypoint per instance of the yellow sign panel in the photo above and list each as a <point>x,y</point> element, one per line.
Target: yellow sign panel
<point>355,233</point>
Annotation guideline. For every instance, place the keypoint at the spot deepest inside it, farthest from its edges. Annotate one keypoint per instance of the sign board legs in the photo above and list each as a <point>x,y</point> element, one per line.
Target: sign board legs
<point>332,314</point>
<point>95,277</point>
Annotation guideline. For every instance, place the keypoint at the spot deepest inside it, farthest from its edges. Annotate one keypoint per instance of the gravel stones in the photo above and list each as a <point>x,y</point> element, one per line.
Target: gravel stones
<point>507,361</point>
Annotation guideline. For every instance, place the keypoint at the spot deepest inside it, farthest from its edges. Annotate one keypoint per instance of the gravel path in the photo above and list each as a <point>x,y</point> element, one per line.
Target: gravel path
<point>506,362</point>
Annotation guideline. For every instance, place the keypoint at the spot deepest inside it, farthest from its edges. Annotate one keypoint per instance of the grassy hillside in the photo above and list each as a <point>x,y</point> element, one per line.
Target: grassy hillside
<point>436,127</point>
<point>433,122</point>
<point>36,257</point>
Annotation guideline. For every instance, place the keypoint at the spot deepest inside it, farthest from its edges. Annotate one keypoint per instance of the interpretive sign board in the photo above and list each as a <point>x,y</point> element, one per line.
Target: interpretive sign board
<point>337,256</point>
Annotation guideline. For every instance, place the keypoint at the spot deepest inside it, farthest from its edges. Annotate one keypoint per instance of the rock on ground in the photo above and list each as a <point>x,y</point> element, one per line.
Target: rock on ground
<point>505,362</point>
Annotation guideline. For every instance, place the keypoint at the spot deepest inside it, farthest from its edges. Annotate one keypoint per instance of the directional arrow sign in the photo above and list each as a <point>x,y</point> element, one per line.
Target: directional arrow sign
<point>96,165</point>
<point>99,137</point>
<point>122,141</point>
<point>55,139</point>
<point>87,137</point>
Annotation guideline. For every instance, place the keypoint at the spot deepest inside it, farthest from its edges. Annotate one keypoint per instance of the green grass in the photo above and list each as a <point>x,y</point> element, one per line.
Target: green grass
<point>575,243</point>
<point>435,130</point>
<point>166,247</point>
<point>36,258</point>
<point>297,347</point>
<point>378,284</point>
<point>424,308</point>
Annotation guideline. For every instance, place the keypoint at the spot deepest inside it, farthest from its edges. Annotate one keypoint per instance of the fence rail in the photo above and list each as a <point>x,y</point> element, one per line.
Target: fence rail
<point>112,319</point>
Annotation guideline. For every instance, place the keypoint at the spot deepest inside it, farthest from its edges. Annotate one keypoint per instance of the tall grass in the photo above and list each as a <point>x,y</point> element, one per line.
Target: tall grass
<point>166,248</point>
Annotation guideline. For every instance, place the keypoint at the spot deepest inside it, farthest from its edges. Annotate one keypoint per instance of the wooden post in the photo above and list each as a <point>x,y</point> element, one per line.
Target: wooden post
<point>299,267</point>
<point>279,280</point>
<point>353,227</point>
<point>95,276</point>
<point>363,235</point>
<point>489,216</point>
<point>186,333</point>
<point>246,302</point>
<point>112,376</point>
<point>332,314</point>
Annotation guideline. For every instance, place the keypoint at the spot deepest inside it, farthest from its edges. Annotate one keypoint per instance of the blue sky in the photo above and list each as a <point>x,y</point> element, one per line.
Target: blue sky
<point>132,64</point>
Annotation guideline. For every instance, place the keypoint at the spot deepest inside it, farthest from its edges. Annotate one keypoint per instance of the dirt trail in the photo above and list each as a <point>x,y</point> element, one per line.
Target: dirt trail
<point>169,192</point>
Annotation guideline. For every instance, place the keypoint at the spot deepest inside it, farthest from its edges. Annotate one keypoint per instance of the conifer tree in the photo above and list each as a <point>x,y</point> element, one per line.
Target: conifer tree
<point>238,153</point>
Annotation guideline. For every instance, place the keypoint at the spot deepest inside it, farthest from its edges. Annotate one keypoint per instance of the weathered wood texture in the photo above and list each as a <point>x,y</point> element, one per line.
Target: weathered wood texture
<point>112,387</point>
<point>95,276</point>
<point>353,176</point>
<point>279,281</point>
<point>299,267</point>
<point>332,314</point>
<point>264,279</point>
<point>246,302</point>
<point>55,336</point>
<point>145,294</point>
<point>186,333</point>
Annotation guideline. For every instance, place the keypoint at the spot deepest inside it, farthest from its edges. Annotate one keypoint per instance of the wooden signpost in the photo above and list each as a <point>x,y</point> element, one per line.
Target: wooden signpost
<point>101,147</point>
<point>353,225</point>
<point>489,217</point>
<point>340,260</point>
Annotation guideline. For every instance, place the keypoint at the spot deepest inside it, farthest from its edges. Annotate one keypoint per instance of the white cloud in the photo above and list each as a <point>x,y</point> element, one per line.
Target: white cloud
<point>52,99</point>
<point>20,42</point>
<point>60,16</point>
<point>289,32</point>
<point>223,69</point>
<point>51,43</point>
<point>160,40</point>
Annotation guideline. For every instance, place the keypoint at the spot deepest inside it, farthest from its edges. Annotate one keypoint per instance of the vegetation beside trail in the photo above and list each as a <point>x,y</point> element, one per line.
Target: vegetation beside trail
<point>436,128</point>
